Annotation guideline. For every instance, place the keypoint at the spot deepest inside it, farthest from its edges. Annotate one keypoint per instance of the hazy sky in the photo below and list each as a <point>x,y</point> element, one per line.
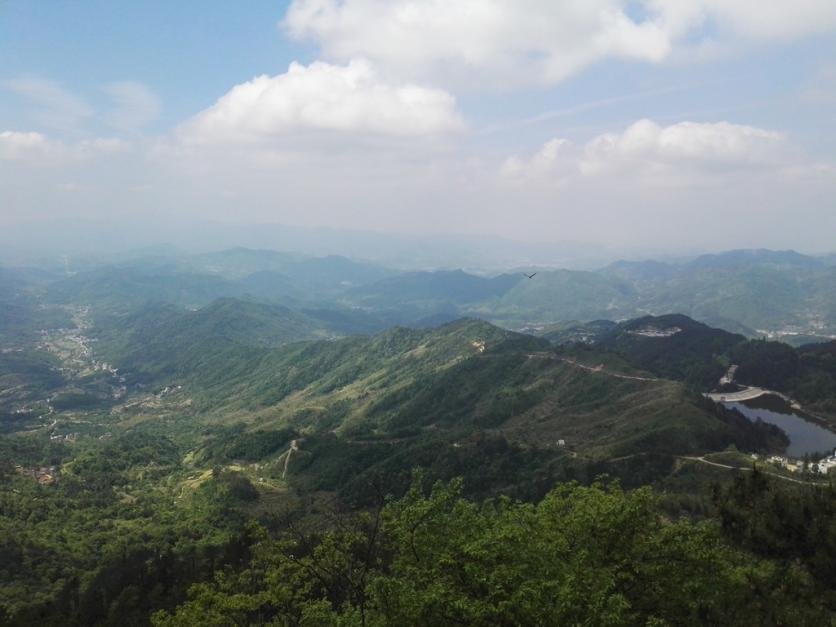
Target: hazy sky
<point>667,123</point>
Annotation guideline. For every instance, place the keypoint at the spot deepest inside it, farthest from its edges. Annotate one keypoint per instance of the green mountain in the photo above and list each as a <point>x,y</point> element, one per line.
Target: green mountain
<point>237,263</point>
<point>754,257</point>
<point>779,293</point>
<point>241,422</point>
<point>741,291</point>
<point>22,315</point>
<point>674,347</point>
<point>159,341</point>
<point>26,377</point>
<point>443,287</point>
<point>807,374</point>
<point>442,383</point>
<point>564,295</point>
<point>125,288</point>
<point>193,281</point>
<point>678,348</point>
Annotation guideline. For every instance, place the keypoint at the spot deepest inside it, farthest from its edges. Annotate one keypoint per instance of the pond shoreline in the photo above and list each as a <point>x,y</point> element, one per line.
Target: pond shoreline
<point>808,434</point>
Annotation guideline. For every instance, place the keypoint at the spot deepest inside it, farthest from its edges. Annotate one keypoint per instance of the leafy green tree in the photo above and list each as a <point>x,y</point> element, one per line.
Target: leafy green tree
<point>583,555</point>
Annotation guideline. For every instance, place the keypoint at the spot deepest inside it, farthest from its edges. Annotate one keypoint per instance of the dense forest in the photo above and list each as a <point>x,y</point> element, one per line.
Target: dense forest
<point>762,553</point>
<point>290,460</point>
<point>581,555</point>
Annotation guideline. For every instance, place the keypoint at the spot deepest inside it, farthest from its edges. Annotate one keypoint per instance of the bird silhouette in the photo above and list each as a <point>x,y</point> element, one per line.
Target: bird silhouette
<point>530,276</point>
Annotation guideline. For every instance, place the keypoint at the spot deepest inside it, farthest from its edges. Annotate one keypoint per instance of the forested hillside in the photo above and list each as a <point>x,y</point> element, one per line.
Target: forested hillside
<point>176,447</point>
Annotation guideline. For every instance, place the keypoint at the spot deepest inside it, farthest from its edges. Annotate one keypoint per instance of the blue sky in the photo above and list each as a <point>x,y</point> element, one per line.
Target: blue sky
<point>188,57</point>
<point>614,123</point>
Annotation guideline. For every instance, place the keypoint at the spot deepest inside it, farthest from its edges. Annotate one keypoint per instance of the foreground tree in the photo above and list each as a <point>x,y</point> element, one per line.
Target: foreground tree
<point>583,555</point>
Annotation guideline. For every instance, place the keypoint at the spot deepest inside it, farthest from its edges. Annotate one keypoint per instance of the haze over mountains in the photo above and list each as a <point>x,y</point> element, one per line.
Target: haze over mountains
<point>24,243</point>
<point>780,294</point>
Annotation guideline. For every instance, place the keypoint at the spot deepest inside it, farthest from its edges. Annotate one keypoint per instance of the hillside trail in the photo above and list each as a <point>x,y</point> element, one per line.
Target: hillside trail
<point>702,460</point>
<point>294,446</point>
<point>599,368</point>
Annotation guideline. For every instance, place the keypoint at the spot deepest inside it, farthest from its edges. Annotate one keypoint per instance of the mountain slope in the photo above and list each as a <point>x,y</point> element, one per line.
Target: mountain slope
<point>565,295</point>
<point>447,382</point>
<point>158,341</point>
<point>122,288</point>
<point>453,287</point>
<point>674,347</point>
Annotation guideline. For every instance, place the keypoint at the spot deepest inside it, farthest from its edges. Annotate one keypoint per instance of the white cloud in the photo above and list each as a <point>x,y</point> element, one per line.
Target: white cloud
<point>553,161</point>
<point>38,149</point>
<point>646,148</point>
<point>29,147</point>
<point>502,42</point>
<point>102,145</point>
<point>771,20</point>
<point>540,40</point>
<point>684,184</point>
<point>52,105</point>
<point>324,97</point>
<point>685,145</point>
<point>135,105</point>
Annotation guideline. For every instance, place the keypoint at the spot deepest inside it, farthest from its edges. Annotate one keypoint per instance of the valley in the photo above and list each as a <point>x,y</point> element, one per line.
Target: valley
<point>181,410</point>
<point>394,313</point>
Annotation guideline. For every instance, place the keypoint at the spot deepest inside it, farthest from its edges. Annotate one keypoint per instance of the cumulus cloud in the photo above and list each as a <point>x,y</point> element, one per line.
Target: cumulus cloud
<point>135,105</point>
<point>29,147</point>
<point>537,41</point>
<point>324,97</point>
<point>554,161</point>
<point>682,184</point>
<point>685,145</point>
<point>102,145</point>
<point>37,149</point>
<point>647,148</point>
<point>51,104</point>
<point>751,19</point>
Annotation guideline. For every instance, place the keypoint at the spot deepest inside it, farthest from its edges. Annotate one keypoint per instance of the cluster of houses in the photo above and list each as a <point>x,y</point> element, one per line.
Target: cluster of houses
<point>822,466</point>
<point>44,475</point>
<point>169,389</point>
<point>655,331</point>
<point>825,464</point>
<point>67,437</point>
<point>785,463</point>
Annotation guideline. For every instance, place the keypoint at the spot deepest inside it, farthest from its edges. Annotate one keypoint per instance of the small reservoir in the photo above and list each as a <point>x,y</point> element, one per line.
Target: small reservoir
<point>806,437</point>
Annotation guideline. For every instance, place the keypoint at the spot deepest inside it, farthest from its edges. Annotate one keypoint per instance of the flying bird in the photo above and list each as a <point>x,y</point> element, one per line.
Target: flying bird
<point>530,276</point>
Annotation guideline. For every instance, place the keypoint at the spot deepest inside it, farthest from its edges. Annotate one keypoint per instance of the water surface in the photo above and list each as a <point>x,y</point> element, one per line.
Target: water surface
<point>806,437</point>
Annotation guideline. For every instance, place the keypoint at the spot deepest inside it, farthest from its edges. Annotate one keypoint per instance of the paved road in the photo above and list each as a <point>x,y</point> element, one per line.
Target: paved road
<point>746,394</point>
<point>703,460</point>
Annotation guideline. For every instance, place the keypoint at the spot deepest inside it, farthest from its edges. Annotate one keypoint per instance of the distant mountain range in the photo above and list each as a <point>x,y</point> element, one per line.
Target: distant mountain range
<point>22,244</point>
<point>780,294</point>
